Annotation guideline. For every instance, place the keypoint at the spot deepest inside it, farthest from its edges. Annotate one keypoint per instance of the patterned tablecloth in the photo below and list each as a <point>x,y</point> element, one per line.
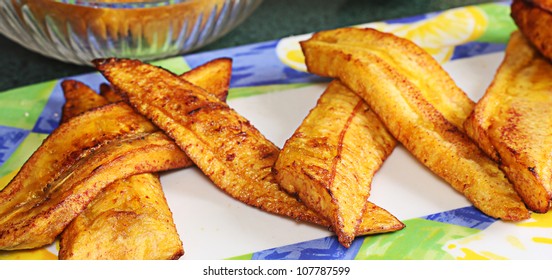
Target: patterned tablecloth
<point>267,76</point>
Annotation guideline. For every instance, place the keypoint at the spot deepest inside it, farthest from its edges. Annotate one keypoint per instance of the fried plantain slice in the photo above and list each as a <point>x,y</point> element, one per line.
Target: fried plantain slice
<point>213,76</point>
<point>79,98</point>
<point>513,121</point>
<point>223,144</point>
<point>420,105</point>
<point>330,160</point>
<point>66,145</point>
<point>533,18</point>
<point>38,219</point>
<point>107,92</point>
<point>129,220</point>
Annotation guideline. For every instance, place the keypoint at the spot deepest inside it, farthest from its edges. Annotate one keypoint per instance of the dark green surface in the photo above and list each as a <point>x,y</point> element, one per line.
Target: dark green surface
<point>273,19</point>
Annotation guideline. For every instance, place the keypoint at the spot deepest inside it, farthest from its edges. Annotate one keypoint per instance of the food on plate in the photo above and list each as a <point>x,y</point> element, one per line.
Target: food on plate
<point>513,121</point>
<point>330,160</point>
<point>534,18</point>
<point>421,107</point>
<point>73,142</point>
<point>129,220</point>
<point>222,143</point>
<point>31,220</point>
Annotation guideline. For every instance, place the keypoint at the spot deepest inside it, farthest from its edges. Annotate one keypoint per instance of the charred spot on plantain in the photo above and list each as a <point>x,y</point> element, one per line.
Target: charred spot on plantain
<point>187,99</point>
<point>532,170</point>
<point>453,129</point>
<point>267,154</point>
<point>176,106</point>
<point>242,134</point>
<point>513,151</point>
<point>230,157</point>
<point>194,111</point>
<point>207,107</point>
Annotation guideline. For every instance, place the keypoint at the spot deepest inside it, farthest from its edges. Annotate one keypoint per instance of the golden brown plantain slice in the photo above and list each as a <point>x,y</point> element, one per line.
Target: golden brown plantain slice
<point>377,220</point>
<point>79,98</point>
<point>330,160</point>
<point>223,144</point>
<point>38,219</point>
<point>66,145</point>
<point>533,18</point>
<point>513,121</point>
<point>213,76</point>
<point>420,105</point>
<point>107,92</point>
<point>129,220</point>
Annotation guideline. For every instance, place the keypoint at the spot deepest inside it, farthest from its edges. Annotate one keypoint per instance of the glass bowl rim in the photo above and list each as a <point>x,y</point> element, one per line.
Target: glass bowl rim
<point>114,4</point>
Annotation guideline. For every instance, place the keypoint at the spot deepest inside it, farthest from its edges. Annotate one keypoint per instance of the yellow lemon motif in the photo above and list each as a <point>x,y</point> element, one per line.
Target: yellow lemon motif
<point>31,254</point>
<point>438,35</point>
<point>289,52</point>
<point>504,240</point>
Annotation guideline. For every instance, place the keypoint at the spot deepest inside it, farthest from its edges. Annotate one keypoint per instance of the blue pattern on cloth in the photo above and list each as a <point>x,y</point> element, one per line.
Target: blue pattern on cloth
<point>473,49</point>
<point>255,65</point>
<point>327,248</point>
<point>467,217</point>
<point>10,139</point>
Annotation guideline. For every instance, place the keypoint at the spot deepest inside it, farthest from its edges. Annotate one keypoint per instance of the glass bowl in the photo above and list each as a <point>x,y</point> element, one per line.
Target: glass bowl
<point>78,31</point>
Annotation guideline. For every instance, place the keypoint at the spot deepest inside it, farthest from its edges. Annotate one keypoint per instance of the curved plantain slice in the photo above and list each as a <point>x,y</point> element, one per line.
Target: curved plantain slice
<point>129,220</point>
<point>404,86</point>
<point>67,144</point>
<point>513,119</point>
<point>533,19</point>
<point>37,220</point>
<point>79,98</point>
<point>330,160</point>
<point>213,76</point>
<point>223,144</point>
<point>107,92</point>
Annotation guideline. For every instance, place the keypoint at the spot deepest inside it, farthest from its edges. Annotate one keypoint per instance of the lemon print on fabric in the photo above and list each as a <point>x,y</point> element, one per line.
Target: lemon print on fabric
<point>31,254</point>
<point>421,239</point>
<point>48,252</point>
<point>504,240</point>
<point>289,52</point>
<point>438,34</point>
